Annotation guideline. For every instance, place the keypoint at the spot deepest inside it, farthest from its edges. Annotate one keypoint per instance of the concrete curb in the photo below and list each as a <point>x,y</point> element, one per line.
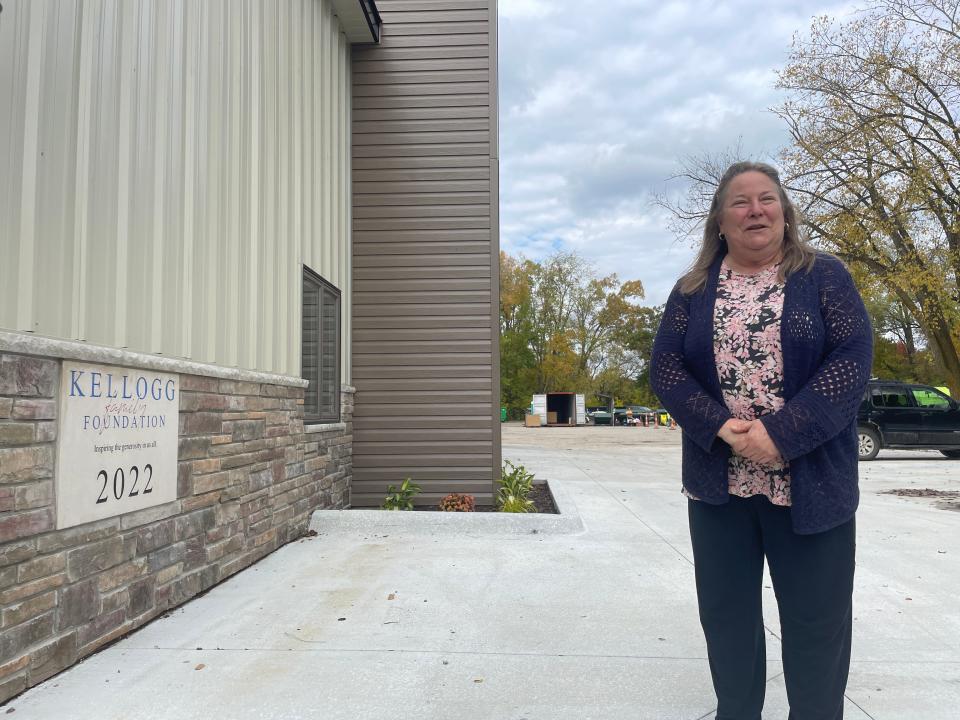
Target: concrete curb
<point>433,523</point>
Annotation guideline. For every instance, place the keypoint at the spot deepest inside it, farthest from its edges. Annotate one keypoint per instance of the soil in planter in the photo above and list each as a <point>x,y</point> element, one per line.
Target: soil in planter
<point>542,502</point>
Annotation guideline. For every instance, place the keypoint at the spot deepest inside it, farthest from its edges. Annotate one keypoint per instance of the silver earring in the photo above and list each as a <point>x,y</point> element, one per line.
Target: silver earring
<point>723,238</point>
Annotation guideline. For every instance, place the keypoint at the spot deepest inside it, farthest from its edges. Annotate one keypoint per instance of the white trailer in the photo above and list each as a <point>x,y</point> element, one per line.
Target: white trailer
<point>560,408</point>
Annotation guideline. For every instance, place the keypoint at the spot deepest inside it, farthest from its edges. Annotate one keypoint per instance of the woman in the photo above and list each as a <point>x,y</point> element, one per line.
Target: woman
<point>762,357</point>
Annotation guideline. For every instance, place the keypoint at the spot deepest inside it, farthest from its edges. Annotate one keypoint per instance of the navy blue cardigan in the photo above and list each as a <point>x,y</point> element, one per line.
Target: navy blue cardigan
<point>827,356</point>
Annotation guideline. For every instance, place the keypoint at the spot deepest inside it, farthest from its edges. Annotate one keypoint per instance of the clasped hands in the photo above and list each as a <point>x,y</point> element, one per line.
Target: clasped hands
<point>749,438</point>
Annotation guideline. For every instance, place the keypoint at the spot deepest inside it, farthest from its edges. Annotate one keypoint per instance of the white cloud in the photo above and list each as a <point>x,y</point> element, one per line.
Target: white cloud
<point>525,9</point>
<point>600,103</point>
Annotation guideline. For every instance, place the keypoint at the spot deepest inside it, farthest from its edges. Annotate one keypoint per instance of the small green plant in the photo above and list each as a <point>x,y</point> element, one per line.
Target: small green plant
<point>455,502</point>
<point>401,498</point>
<point>515,487</point>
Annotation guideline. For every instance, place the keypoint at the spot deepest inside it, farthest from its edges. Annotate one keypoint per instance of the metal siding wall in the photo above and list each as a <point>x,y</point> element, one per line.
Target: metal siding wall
<point>425,249</point>
<point>168,166</point>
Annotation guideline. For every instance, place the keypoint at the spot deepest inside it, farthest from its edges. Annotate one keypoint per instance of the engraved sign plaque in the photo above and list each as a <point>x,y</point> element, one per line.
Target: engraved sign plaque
<point>117,448</point>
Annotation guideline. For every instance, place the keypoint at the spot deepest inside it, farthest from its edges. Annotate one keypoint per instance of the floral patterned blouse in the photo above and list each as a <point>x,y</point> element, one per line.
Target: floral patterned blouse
<point>746,345</point>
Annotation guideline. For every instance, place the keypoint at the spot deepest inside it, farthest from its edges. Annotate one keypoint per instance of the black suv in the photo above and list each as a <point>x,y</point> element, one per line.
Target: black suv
<point>906,416</point>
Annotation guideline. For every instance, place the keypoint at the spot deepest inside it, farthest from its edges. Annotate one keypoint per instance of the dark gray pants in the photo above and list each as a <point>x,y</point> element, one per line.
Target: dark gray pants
<point>813,582</point>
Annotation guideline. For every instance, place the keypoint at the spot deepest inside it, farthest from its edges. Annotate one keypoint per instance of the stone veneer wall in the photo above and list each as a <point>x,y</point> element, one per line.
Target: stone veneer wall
<point>249,477</point>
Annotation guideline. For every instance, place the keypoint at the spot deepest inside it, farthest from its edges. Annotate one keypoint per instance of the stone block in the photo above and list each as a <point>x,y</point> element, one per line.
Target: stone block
<point>8,576</point>
<point>8,499</point>
<point>142,594</point>
<point>122,574</point>
<point>34,587</point>
<point>199,467</point>
<point>42,567</point>
<point>46,432</point>
<point>79,603</point>
<point>192,402</point>
<point>117,599</point>
<point>24,409</point>
<point>277,431</point>
<point>25,524</point>
<point>203,423</point>
<point>235,387</point>
<point>260,480</point>
<point>17,640</point>
<point>6,407</point>
<point>234,461</point>
<point>227,513</point>
<point>192,448</point>
<point>256,444</point>
<point>48,660</point>
<point>179,590</point>
<point>296,469</point>
<point>23,464</point>
<point>194,554</point>
<point>13,685</point>
<point>35,495</point>
<point>184,478</point>
<point>29,609</point>
<point>157,535</point>
<point>17,433</point>
<point>243,430</point>
<point>96,557</point>
<point>231,448</point>
<point>14,666</point>
<point>219,532</point>
<point>166,556</point>
<point>101,626</point>
<point>250,504</point>
<point>198,383</point>
<point>267,538</point>
<point>168,574</point>
<point>283,516</point>
<point>149,515</point>
<point>196,502</point>
<point>27,376</point>
<point>82,534</point>
<point>195,523</point>
<point>207,483</point>
<point>235,565</point>
<point>108,637</point>
<point>277,418</point>
<point>220,549</point>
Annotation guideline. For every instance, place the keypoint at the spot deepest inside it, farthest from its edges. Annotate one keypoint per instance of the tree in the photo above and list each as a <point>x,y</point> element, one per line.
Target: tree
<point>517,362</point>
<point>899,347</point>
<point>602,310</point>
<point>553,285</point>
<point>875,160</point>
<point>562,327</point>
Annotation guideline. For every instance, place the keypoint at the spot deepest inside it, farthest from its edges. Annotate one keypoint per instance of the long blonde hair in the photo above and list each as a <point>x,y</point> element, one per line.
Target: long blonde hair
<point>797,253</point>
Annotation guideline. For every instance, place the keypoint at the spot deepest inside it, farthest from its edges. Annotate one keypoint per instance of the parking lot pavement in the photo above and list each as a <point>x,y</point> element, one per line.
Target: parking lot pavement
<point>405,623</point>
<point>906,655</point>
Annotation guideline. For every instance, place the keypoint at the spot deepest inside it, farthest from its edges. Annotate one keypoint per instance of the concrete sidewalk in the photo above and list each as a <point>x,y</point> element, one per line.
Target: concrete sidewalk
<point>405,622</point>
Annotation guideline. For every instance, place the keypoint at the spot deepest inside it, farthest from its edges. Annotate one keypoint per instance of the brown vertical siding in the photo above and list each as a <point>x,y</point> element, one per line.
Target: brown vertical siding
<point>425,252</point>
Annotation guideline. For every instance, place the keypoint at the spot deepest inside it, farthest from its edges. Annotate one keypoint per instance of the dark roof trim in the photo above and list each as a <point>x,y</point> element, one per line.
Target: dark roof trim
<point>359,19</point>
<point>372,15</point>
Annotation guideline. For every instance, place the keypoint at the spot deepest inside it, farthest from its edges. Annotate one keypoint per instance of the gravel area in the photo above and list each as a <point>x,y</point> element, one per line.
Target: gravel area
<point>587,436</point>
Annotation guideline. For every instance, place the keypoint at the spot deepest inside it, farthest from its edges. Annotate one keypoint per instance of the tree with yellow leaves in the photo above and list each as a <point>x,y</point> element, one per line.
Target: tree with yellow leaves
<point>872,109</point>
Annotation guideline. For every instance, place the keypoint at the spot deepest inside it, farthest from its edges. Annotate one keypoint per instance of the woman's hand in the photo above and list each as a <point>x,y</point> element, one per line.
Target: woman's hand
<point>734,433</point>
<point>756,445</point>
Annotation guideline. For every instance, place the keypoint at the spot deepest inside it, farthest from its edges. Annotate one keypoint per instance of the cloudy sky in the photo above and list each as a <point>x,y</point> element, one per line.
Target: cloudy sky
<point>598,106</point>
